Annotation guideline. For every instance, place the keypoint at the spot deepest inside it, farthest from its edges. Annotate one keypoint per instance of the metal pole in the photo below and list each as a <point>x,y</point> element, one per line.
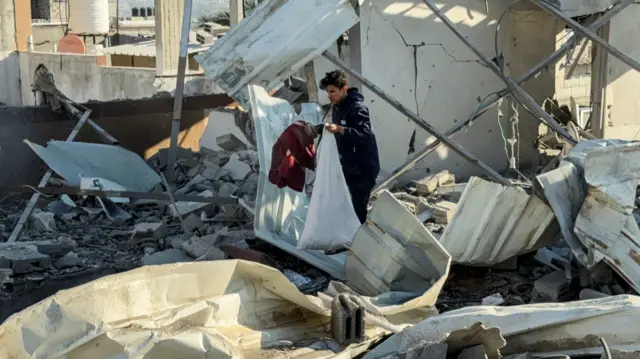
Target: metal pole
<point>519,92</point>
<point>535,70</point>
<point>106,136</point>
<point>177,104</point>
<point>45,179</point>
<point>588,34</point>
<point>420,122</point>
<point>576,60</point>
<point>551,60</point>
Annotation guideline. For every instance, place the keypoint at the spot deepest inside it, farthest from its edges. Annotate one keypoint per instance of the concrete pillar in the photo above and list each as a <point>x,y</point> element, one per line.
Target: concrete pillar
<point>236,11</point>
<point>168,27</point>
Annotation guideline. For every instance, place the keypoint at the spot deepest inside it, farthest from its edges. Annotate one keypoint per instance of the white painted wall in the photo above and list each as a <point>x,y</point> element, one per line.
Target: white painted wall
<point>449,79</point>
<point>81,79</point>
<point>622,104</point>
<point>9,64</point>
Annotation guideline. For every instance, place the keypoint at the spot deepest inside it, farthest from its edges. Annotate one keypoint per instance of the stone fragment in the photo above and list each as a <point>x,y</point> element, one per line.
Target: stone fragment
<point>55,248</point>
<point>166,257</point>
<point>227,189</point>
<point>493,299</point>
<point>429,184</point>
<point>443,212</point>
<point>191,184</point>
<point>185,208</point>
<point>238,170</point>
<point>197,247</point>
<point>230,143</point>
<point>192,223</point>
<point>22,258</point>
<point>155,230</point>
<point>587,294</point>
<point>43,221</point>
<point>210,171</point>
<point>552,287</point>
<point>212,254</point>
<point>69,260</point>
<point>249,186</point>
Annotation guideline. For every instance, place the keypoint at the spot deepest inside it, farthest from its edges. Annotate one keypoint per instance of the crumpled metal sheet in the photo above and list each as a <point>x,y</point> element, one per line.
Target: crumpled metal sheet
<point>279,38</point>
<point>217,309</point>
<point>74,160</point>
<point>396,260</point>
<point>573,8</point>
<point>493,223</point>
<point>562,328</point>
<point>280,213</point>
<point>606,225</point>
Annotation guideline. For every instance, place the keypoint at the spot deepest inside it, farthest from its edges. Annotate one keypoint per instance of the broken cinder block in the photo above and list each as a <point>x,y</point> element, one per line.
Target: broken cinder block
<point>429,184</point>
<point>22,258</point>
<point>347,319</point>
<point>443,212</point>
<point>238,170</point>
<point>230,143</point>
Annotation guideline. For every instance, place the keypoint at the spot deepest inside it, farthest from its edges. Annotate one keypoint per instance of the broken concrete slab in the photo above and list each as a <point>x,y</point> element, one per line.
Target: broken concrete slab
<point>212,254</point>
<point>429,184</point>
<point>69,260</point>
<point>22,258</point>
<point>54,248</point>
<point>168,256</point>
<point>443,211</point>
<point>185,208</point>
<point>475,352</point>
<point>238,170</point>
<point>553,287</point>
<point>192,223</point>
<point>43,221</point>
<point>227,189</point>
<point>154,230</point>
<point>198,247</point>
<point>230,143</point>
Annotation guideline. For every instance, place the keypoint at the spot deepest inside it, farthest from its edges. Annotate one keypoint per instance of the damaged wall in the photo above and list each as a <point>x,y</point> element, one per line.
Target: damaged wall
<point>576,89</point>
<point>621,105</point>
<point>141,126</point>
<point>416,59</point>
<point>9,64</point>
<point>81,78</point>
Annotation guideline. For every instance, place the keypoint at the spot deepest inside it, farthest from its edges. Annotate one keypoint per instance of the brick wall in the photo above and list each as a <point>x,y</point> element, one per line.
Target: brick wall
<point>578,86</point>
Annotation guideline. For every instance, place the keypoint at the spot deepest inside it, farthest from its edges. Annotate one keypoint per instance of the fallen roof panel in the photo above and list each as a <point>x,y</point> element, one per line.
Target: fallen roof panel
<point>493,223</point>
<point>261,50</point>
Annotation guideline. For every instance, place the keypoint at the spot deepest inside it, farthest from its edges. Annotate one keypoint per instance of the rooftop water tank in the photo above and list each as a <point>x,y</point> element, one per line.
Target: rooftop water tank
<point>90,17</point>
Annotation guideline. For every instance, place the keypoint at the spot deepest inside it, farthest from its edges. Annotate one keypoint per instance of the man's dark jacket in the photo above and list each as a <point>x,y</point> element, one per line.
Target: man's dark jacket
<point>358,147</point>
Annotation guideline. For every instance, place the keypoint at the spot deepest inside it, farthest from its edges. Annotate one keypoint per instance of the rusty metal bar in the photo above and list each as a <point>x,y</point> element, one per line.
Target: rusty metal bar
<point>15,234</point>
<point>418,121</point>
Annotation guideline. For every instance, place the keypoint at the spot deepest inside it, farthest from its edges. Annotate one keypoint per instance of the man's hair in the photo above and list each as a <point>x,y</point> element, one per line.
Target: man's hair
<point>335,78</point>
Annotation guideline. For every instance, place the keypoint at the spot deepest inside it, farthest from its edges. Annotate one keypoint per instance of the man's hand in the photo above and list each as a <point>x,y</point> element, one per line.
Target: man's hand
<point>333,128</point>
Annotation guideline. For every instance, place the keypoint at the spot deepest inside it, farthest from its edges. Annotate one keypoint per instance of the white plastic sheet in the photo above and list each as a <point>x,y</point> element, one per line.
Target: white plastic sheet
<point>331,221</point>
<point>219,309</point>
<point>280,212</point>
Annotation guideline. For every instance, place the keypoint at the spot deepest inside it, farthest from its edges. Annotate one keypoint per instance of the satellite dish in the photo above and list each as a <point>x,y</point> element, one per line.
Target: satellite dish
<point>71,44</point>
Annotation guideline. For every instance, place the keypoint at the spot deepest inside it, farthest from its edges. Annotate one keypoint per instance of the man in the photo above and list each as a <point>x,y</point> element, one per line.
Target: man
<point>356,141</point>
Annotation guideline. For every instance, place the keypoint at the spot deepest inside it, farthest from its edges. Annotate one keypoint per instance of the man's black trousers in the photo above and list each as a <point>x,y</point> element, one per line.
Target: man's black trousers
<point>360,187</point>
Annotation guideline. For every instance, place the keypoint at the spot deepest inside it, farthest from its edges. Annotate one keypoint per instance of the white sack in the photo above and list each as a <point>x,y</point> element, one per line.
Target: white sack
<point>331,221</point>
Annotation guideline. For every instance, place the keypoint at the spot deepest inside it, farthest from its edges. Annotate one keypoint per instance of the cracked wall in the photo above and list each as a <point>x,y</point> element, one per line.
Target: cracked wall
<point>409,53</point>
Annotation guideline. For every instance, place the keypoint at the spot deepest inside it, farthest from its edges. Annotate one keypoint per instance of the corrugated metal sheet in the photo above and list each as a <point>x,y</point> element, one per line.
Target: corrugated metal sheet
<point>606,224</point>
<point>394,257</point>
<point>493,223</point>
<point>261,50</point>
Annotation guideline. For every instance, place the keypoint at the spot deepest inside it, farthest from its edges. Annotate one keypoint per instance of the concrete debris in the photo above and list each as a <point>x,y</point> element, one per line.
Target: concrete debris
<point>475,352</point>
<point>69,260</point>
<point>553,287</point>
<point>166,257</point>
<point>238,170</point>
<point>43,221</point>
<point>429,184</point>
<point>192,223</point>
<point>494,299</point>
<point>22,258</point>
<point>230,143</point>
<point>443,212</point>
